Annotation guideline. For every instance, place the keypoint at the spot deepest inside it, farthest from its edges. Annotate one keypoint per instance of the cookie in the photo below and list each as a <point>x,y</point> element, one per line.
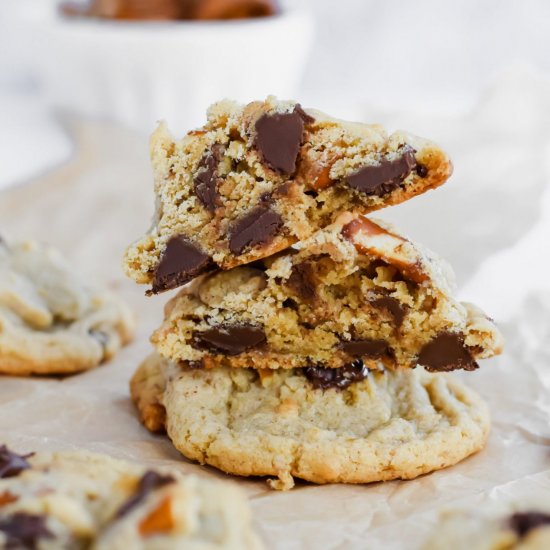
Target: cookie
<point>343,428</point>
<point>257,178</point>
<point>51,321</point>
<point>355,291</point>
<point>77,500</point>
<point>521,528</point>
<point>172,9</point>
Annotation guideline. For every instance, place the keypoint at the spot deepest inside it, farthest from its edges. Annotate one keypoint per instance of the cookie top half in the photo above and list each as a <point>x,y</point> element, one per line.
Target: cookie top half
<point>257,178</point>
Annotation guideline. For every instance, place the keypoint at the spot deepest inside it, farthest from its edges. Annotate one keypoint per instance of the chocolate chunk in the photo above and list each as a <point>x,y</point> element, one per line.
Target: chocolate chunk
<point>373,349</point>
<point>421,170</point>
<point>230,339</point>
<point>180,262</point>
<point>149,482</point>
<point>206,180</point>
<point>324,377</point>
<point>12,464</point>
<point>392,306</point>
<point>384,177</point>
<point>279,137</point>
<point>258,226</point>
<point>24,530</point>
<point>523,522</point>
<point>446,352</point>
<point>302,281</point>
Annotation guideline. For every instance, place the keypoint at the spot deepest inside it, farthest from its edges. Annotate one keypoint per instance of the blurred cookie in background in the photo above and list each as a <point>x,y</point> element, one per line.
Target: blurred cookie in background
<point>52,321</point>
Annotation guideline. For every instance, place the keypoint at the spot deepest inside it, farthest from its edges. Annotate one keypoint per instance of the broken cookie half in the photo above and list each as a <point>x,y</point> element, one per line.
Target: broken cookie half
<point>257,178</point>
<point>355,295</point>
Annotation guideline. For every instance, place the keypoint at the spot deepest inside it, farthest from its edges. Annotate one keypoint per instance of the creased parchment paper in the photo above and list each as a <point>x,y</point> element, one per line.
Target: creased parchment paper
<point>492,221</point>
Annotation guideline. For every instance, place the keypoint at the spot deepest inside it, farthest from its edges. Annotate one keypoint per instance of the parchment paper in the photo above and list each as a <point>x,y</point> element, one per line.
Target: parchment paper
<point>492,221</point>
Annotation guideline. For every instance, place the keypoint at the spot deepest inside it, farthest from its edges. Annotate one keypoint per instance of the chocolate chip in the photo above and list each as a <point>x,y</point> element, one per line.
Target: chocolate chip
<point>373,349</point>
<point>308,119</point>
<point>230,339</point>
<point>206,180</point>
<point>181,261</point>
<point>279,137</point>
<point>23,530</point>
<point>446,352</point>
<point>523,522</point>
<point>421,170</point>
<point>12,464</point>
<point>149,482</point>
<point>256,227</point>
<point>384,177</point>
<point>392,306</point>
<point>302,281</point>
<point>325,377</point>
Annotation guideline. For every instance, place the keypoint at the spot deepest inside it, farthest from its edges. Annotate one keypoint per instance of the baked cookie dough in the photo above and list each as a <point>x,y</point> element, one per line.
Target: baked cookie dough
<point>521,528</point>
<point>257,178</point>
<point>80,500</point>
<point>354,291</point>
<point>352,427</point>
<point>51,321</point>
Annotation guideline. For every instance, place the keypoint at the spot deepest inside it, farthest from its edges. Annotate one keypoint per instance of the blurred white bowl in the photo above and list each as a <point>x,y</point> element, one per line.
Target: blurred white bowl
<point>136,73</point>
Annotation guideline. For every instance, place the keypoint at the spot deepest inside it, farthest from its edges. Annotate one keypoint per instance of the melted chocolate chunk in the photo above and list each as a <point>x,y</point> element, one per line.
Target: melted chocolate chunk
<point>258,226</point>
<point>279,137</point>
<point>392,306</point>
<point>324,378</point>
<point>230,339</point>
<point>206,180</point>
<point>446,352</point>
<point>421,170</point>
<point>302,282</point>
<point>383,178</point>
<point>24,530</point>
<point>12,464</point>
<point>149,482</point>
<point>373,349</point>
<point>523,522</point>
<point>180,262</point>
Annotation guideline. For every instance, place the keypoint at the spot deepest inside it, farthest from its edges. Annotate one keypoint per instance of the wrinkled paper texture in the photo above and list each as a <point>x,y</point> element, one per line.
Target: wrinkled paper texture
<point>491,221</point>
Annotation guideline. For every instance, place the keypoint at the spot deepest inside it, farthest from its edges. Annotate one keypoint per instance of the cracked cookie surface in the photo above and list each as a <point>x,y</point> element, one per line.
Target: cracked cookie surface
<point>354,291</point>
<point>52,321</point>
<point>81,500</point>
<point>389,425</point>
<point>260,177</point>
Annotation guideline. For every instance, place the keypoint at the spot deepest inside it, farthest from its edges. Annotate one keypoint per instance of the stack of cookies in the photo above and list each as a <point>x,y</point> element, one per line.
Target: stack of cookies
<point>308,340</point>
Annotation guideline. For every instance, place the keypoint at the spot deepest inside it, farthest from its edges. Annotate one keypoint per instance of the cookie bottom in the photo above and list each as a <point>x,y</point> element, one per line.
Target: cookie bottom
<point>392,425</point>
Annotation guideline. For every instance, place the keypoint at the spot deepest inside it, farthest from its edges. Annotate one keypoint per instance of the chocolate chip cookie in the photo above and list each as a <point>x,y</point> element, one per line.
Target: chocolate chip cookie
<point>354,426</point>
<point>354,291</point>
<point>521,528</point>
<point>257,178</point>
<point>52,321</point>
<point>77,500</point>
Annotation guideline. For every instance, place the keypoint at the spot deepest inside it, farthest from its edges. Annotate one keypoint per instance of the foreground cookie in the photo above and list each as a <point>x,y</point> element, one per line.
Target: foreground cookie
<point>525,528</point>
<point>52,322</point>
<point>258,178</point>
<point>80,500</point>
<point>338,428</point>
<point>353,291</point>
